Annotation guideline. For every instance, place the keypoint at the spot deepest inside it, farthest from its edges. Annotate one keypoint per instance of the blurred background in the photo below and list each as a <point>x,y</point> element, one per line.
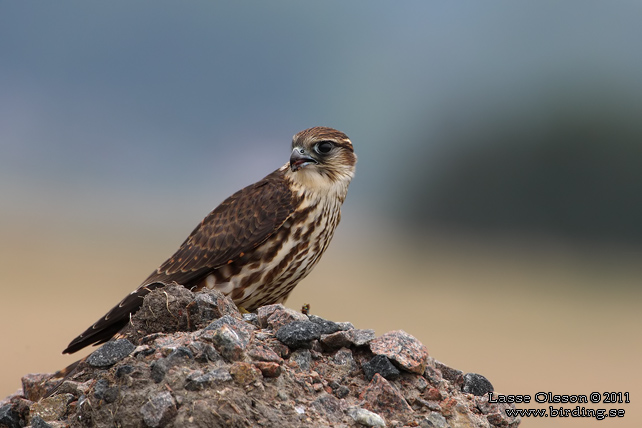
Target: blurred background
<point>495,215</point>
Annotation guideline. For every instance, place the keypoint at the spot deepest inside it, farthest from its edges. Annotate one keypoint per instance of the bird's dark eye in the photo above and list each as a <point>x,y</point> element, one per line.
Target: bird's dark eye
<point>324,147</point>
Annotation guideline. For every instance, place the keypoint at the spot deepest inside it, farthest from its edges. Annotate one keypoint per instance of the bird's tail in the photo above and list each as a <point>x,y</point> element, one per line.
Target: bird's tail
<point>114,321</point>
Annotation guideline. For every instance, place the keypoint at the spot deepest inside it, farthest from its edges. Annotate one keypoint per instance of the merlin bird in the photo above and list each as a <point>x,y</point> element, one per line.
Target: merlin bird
<point>260,242</point>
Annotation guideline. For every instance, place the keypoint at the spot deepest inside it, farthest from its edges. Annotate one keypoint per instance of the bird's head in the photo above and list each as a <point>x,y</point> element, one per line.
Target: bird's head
<point>322,158</point>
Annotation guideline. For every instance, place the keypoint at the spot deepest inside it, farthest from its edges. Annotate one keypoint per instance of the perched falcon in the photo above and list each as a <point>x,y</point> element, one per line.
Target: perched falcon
<point>260,242</point>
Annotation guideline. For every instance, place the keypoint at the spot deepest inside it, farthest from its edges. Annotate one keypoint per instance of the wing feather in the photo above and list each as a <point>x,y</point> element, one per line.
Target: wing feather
<point>241,223</point>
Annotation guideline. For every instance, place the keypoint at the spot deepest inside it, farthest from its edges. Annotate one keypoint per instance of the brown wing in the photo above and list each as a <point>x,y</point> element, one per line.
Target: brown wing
<point>241,223</point>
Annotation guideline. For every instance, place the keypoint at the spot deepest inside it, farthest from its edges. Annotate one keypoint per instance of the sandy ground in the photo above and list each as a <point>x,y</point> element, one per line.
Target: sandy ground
<point>531,318</point>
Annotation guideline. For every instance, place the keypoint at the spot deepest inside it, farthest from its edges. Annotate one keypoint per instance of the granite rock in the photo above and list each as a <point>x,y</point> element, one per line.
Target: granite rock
<point>276,316</point>
<point>110,353</point>
<point>9,417</point>
<point>382,397</point>
<point>476,384</point>
<point>366,417</point>
<point>277,369</point>
<point>159,410</point>
<point>404,349</point>
<point>299,334</point>
<point>380,364</point>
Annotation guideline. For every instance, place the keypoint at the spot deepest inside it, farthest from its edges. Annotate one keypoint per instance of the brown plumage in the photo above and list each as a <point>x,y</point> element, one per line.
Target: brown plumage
<point>260,242</point>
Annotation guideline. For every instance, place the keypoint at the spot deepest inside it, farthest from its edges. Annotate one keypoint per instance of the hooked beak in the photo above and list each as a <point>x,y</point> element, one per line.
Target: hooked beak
<point>299,160</point>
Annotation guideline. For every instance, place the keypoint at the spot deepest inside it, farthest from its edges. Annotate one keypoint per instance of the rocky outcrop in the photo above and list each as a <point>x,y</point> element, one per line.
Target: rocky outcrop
<point>193,360</point>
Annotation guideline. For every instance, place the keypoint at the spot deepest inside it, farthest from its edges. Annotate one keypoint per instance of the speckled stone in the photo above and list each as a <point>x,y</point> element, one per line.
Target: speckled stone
<point>383,398</point>
<point>436,420</point>
<point>244,373</point>
<point>124,370</point>
<point>298,334</point>
<point>448,406</point>
<point>38,422</point>
<point>432,394</point>
<point>159,410</point>
<point>276,316</point>
<point>453,375</point>
<point>345,362</point>
<point>335,340</point>
<point>330,406</point>
<point>158,370</point>
<point>409,353</point>
<point>160,367</point>
<point>303,358</point>
<point>179,354</point>
<point>345,325</point>
<point>347,338</point>
<point>327,327</point>
<point>231,341</point>
<point>413,382</point>
<point>103,391</point>
<point>213,304</point>
<point>260,352</point>
<point>229,320</point>
<point>432,374</point>
<point>34,385</point>
<point>110,353</point>
<point>8,417</point>
<point>51,408</point>
<point>477,384</point>
<point>366,417</point>
<point>380,364</point>
<point>339,391</point>
<point>360,337</point>
<point>204,352</point>
<point>251,318</point>
<point>264,312</point>
<point>489,409</point>
<point>268,369</point>
<point>197,380</point>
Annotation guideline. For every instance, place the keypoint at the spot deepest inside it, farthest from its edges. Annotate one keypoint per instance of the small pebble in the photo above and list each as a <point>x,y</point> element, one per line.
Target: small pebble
<point>409,353</point>
<point>8,417</point>
<point>327,327</point>
<point>366,417</point>
<point>382,365</point>
<point>38,422</point>
<point>110,353</point>
<point>158,410</point>
<point>299,334</point>
<point>477,384</point>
